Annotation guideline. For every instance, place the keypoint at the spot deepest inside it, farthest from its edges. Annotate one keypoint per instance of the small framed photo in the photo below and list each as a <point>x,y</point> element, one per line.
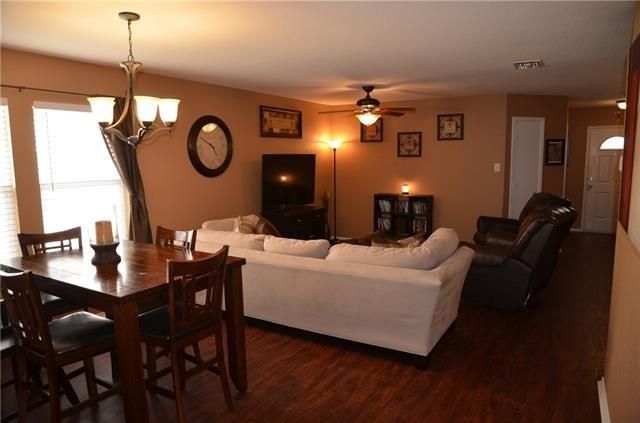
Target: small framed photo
<point>554,152</point>
<point>409,144</point>
<point>451,127</point>
<point>371,133</point>
<point>280,123</point>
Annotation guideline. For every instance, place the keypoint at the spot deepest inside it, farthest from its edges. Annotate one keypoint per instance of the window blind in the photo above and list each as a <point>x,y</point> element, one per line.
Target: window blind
<point>8,209</point>
<point>78,181</point>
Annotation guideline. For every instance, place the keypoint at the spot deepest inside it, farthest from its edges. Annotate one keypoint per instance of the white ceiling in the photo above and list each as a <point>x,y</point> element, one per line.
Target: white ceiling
<point>321,51</point>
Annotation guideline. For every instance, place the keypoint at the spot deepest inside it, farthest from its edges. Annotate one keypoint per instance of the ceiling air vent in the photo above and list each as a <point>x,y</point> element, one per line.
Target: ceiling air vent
<point>528,64</point>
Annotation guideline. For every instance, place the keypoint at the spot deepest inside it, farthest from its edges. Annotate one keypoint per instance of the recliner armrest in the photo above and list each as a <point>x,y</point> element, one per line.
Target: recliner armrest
<point>490,223</point>
<point>486,255</point>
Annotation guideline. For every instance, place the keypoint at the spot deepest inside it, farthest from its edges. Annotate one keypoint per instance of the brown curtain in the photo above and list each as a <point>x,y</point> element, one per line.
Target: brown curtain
<point>126,162</point>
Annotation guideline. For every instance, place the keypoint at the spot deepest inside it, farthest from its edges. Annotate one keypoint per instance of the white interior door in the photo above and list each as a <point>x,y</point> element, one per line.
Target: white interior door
<point>600,193</point>
<point>527,139</point>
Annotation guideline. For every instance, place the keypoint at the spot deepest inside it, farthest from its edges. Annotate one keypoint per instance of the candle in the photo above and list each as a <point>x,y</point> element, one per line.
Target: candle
<point>405,189</point>
<point>104,234</point>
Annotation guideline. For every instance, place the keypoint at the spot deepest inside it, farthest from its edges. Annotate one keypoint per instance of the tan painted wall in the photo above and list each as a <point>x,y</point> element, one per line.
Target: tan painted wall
<point>554,110</point>
<point>458,173</point>
<point>579,120</point>
<point>622,365</point>
<point>177,196</point>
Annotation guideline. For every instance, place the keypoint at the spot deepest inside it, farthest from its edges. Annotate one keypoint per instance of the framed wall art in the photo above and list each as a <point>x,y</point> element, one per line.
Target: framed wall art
<point>371,133</point>
<point>451,127</point>
<point>554,152</point>
<point>409,144</point>
<point>280,123</point>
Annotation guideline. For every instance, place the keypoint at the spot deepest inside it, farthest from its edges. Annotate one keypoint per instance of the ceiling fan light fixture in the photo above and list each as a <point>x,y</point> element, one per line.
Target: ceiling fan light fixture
<point>368,118</point>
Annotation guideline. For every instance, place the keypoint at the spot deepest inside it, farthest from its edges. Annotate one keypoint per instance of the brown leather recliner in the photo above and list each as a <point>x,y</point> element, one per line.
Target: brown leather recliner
<point>501,232</point>
<point>506,278</point>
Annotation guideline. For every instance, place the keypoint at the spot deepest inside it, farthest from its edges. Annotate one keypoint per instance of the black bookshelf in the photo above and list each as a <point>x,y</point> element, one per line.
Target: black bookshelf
<point>403,214</point>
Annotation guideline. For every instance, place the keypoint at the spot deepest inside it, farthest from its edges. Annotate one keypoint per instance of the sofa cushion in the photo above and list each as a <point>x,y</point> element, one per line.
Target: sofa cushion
<point>408,242</point>
<point>441,244</point>
<point>219,224</point>
<point>437,248</point>
<point>232,239</point>
<point>317,248</point>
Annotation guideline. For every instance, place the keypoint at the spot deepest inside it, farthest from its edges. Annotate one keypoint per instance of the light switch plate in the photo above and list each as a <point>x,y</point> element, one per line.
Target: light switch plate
<point>497,167</point>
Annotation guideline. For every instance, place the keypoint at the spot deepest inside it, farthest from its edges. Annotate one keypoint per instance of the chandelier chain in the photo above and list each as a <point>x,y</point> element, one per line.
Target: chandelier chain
<point>130,57</point>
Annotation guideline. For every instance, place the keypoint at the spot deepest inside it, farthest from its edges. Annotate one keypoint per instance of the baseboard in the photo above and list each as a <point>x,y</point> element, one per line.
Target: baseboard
<point>602,400</point>
<point>577,230</point>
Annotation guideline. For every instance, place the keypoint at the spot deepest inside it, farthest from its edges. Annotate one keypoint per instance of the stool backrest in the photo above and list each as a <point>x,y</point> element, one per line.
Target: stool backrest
<point>34,244</point>
<point>24,311</point>
<point>186,279</point>
<point>170,238</point>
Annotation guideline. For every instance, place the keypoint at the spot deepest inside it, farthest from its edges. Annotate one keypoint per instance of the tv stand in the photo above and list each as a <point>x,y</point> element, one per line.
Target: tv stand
<point>302,222</point>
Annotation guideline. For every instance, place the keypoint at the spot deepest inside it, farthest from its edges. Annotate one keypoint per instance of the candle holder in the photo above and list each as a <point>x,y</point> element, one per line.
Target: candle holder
<point>104,240</point>
<point>105,254</point>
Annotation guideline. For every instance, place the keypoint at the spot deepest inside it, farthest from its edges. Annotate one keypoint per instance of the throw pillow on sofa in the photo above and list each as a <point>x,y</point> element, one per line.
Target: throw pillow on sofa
<point>317,248</point>
<point>246,224</point>
<point>232,239</point>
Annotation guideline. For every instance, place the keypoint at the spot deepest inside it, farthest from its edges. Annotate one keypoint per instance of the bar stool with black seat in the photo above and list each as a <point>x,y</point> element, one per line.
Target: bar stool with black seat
<point>171,238</point>
<point>185,321</point>
<point>76,337</point>
<point>35,244</point>
<point>181,240</point>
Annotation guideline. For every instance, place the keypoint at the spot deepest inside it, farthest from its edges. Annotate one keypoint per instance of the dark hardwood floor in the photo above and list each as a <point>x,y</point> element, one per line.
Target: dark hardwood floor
<point>536,366</point>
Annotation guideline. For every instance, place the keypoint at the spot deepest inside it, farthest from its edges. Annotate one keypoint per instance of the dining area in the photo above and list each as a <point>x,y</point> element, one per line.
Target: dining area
<point>147,308</point>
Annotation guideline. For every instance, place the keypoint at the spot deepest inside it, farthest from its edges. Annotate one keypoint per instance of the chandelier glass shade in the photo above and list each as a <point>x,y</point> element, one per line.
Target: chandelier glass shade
<point>144,108</point>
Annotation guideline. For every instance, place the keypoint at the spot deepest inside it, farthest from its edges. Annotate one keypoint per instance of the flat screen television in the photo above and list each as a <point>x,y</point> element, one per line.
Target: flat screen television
<point>288,180</point>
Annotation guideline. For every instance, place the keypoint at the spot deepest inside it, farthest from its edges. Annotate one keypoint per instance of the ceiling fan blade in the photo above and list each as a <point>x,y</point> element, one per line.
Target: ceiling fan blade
<point>336,111</point>
<point>403,109</point>
<point>388,112</point>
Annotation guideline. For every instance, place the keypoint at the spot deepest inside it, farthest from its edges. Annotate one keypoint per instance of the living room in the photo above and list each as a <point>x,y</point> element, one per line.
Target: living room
<point>46,64</point>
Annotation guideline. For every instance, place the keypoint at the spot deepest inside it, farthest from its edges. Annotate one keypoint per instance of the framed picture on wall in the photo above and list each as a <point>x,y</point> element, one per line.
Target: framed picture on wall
<point>554,152</point>
<point>280,123</point>
<point>409,144</point>
<point>371,133</point>
<point>451,127</point>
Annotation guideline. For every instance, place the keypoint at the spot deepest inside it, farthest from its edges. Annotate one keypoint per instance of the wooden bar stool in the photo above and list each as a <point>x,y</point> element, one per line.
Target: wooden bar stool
<point>184,322</point>
<point>76,337</point>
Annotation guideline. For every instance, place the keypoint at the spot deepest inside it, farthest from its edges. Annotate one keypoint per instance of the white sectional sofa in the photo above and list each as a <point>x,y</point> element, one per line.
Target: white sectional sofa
<point>404,309</point>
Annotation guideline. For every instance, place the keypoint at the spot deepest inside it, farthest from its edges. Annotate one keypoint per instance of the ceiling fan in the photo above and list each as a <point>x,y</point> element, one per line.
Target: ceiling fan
<point>368,109</point>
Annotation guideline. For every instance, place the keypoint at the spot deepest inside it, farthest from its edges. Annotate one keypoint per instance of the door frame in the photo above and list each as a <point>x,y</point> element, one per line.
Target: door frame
<point>540,150</point>
<point>587,156</point>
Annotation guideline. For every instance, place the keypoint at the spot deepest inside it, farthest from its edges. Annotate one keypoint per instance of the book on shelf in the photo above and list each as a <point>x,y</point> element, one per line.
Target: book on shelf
<point>402,206</point>
<point>419,207</point>
<point>385,206</point>
<point>384,223</point>
<point>419,225</point>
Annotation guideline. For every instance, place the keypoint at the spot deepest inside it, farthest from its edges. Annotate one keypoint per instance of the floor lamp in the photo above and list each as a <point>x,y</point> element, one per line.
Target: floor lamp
<point>334,146</point>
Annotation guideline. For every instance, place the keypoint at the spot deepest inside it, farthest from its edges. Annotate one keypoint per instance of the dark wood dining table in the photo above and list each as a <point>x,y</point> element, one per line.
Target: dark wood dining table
<point>136,284</point>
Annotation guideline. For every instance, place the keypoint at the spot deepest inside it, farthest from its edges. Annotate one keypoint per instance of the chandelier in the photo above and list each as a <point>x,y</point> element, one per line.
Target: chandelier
<point>144,108</point>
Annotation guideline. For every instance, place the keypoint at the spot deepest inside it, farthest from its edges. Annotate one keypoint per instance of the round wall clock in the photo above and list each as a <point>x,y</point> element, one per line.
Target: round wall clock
<point>210,146</point>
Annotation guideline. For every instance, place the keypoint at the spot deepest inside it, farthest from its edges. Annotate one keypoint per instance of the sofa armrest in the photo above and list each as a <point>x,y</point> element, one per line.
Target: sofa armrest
<point>500,239</point>
<point>489,223</point>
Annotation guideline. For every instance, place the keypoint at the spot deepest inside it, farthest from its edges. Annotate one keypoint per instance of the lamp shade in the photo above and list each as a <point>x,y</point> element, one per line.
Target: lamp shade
<point>169,110</point>
<point>102,109</point>
<point>368,118</point>
<point>335,144</point>
<point>405,189</point>
<point>147,109</point>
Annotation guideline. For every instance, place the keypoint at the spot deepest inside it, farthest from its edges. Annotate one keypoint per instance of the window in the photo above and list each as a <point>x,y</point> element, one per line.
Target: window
<point>78,180</point>
<point>612,143</point>
<point>8,209</point>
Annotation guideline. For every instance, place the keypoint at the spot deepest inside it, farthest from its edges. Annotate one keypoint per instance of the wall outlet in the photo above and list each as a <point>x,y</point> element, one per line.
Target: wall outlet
<point>497,167</point>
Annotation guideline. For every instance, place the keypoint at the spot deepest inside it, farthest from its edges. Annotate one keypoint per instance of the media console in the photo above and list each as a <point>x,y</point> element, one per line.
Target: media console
<point>309,222</point>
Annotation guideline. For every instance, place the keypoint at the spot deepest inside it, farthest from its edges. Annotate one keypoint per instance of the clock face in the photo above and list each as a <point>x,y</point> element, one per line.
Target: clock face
<point>210,146</point>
